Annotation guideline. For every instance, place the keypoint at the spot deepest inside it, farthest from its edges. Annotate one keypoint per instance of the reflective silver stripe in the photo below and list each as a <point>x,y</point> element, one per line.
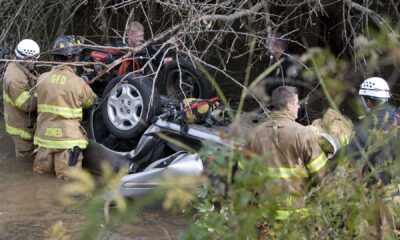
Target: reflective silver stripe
<point>60,144</point>
<point>18,132</point>
<point>21,99</point>
<point>286,172</point>
<point>63,111</point>
<point>316,164</point>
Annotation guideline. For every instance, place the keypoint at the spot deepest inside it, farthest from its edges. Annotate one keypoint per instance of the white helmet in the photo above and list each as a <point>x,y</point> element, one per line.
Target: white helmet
<point>27,48</point>
<point>375,87</point>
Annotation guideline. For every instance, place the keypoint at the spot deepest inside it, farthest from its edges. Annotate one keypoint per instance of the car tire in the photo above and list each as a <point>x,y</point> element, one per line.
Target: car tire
<point>195,83</point>
<point>129,105</point>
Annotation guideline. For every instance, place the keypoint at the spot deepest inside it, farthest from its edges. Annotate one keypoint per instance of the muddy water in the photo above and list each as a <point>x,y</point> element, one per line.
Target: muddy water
<point>30,204</point>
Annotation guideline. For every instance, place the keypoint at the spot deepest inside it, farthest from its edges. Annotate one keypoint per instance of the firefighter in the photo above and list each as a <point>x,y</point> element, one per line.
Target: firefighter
<point>19,100</point>
<point>62,96</point>
<point>293,158</point>
<point>375,93</point>
<point>337,125</point>
<point>375,140</point>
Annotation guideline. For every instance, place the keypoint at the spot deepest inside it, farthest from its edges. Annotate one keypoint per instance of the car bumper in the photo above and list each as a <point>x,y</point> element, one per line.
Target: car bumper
<point>170,169</point>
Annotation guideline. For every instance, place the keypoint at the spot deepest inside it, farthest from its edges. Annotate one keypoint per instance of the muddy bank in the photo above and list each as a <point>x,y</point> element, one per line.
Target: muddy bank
<point>30,204</point>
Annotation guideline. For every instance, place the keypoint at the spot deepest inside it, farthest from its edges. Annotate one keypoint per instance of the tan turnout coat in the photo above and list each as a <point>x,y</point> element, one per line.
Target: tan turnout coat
<point>292,158</point>
<point>61,97</point>
<point>19,102</point>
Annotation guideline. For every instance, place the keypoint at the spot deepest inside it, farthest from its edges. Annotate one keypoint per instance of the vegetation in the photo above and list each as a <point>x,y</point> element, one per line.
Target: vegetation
<point>222,35</point>
<point>338,43</point>
<point>342,207</point>
<point>231,206</point>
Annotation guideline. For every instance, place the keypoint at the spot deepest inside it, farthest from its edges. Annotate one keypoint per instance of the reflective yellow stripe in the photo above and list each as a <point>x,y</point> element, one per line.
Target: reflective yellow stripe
<point>316,164</point>
<point>344,139</point>
<point>89,102</point>
<point>18,132</point>
<point>63,111</point>
<point>7,99</point>
<point>21,99</point>
<point>286,172</point>
<point>391,192</point>
<point>60,144</point>
<point>240,165</point>
<point>285,214</point>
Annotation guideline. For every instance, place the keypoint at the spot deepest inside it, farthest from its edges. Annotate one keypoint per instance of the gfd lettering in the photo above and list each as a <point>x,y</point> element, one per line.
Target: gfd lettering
<point>54,132</point>
<point>58,79</point>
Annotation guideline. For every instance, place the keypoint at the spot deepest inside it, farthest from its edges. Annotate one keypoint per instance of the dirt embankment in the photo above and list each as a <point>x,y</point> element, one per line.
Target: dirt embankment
<point>30,204</point>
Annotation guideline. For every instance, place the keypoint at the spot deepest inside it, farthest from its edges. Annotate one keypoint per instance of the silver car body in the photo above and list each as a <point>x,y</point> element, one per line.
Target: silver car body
<point>179,164</point>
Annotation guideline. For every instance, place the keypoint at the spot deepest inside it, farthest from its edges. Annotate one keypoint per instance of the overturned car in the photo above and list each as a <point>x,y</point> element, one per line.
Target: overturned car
<point>135,126</point>
<point>115,128</point>
<point>135,115</point>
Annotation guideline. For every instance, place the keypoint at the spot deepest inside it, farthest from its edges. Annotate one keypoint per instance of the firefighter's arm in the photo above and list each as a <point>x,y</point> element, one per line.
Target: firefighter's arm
<point>88,97</point>
<point>315,159</point>
<point>22,97</point>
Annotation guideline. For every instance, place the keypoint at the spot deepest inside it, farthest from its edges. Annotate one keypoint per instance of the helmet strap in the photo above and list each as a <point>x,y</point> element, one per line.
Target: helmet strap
<point>372,103</point>
<point>365,104</point>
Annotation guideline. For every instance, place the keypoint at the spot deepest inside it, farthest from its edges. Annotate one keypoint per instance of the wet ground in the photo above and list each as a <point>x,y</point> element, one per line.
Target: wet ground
<point>30,204</point>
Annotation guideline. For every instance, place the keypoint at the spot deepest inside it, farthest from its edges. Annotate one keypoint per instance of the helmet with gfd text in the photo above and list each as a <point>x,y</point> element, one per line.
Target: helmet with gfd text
<point>26,49</point>
<point>66,46</point>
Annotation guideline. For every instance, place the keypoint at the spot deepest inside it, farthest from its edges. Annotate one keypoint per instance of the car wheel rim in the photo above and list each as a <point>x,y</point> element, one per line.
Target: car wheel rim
<point>187,88</point>
<point>125,106</point>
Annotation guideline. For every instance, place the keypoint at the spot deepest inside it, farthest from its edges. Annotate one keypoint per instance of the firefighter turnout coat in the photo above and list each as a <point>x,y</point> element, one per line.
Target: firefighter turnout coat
<point>292,158</point>
<point>19,102</point>
<point>61,97</point>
